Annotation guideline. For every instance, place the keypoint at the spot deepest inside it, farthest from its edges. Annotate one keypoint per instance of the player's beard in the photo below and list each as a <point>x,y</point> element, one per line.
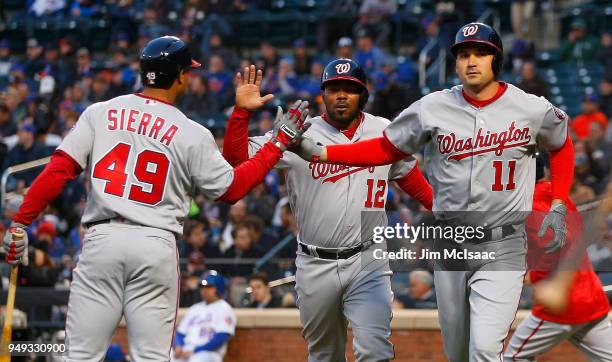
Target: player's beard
<point>345,118</point>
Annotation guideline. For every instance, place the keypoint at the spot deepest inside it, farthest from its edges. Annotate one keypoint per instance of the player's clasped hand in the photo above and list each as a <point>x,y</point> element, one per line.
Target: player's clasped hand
<point>308,149</point>
<point>555,219</point>
<point>289,127</point>
<point>15,249</point>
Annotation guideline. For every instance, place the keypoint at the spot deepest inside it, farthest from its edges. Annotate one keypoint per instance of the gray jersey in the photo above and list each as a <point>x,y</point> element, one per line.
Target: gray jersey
<point>328,200</point>
<point>479,159</point>
<point>146,160</point>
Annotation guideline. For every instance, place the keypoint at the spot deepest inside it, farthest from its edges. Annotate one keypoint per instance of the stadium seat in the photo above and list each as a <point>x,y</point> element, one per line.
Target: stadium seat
<point>72,28</point>
<point>45,31</point>
<point>99,35</point>
<point>15,33</point>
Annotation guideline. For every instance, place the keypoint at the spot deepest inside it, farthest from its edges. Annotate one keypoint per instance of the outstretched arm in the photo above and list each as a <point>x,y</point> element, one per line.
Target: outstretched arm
<point>252,172</point>
<point>236,139</point>
<point>287,129</point>
<point>372,152</point>
<point>402,137</point>
<point>417,187</point>
<point>248,100</point>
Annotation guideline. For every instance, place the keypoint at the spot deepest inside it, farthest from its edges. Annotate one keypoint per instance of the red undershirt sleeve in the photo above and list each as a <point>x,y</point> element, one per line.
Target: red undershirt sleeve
<point>372,152</point>
<point>47,186</point>
<point>236,140</point>
<point>415,185</point>
<point>251,172</point>
<point>562,170</point>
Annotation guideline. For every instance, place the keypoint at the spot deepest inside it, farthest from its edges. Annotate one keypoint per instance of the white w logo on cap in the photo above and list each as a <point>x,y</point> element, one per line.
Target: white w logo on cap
<point>469,30</point>
<point>343,68</point>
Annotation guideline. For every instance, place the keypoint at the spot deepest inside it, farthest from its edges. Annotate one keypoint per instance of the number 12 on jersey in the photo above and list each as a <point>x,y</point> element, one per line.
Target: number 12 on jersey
<point>499,173</point>
<point>151,169</point>
<point>376,194</point>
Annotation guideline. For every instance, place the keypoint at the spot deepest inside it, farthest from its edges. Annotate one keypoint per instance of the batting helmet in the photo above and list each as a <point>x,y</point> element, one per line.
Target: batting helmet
<point>212,278</point>
<point>483,34</point>
<point>162,59</point>
<point>346,69</point>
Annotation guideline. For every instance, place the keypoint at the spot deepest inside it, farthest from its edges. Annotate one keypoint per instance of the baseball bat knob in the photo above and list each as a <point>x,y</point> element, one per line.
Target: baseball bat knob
<point>18,234</point>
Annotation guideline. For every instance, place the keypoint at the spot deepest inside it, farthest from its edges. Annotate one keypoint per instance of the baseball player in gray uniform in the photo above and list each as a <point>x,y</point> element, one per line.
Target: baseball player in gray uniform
<point>478,141</point>
<point>145,160</point>
<point>334,286</point>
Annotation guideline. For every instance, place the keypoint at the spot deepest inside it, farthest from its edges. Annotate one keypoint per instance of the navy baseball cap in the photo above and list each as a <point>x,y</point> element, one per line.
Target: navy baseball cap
<point>592,97</point>
<point>28,127</point>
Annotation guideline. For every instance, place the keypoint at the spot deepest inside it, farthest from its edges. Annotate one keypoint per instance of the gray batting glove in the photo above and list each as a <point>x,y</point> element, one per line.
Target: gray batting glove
<point>308,149</point>
<point>555,219</point>
<point>15,249</point>
<point>288,127</point>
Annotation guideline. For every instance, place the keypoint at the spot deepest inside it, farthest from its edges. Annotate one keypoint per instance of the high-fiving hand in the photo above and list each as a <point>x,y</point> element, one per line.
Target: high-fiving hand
<point>248,88</point>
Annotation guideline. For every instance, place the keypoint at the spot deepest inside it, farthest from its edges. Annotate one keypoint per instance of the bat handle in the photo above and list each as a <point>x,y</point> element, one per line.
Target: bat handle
<point>7,329</point>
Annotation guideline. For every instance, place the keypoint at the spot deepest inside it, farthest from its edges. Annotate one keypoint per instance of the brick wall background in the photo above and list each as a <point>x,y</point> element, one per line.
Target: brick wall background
<point>274,336</point>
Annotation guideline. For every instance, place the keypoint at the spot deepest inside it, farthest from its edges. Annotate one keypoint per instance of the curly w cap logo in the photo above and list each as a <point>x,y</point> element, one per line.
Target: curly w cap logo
<point>470,30</point>
<point>343,68</point>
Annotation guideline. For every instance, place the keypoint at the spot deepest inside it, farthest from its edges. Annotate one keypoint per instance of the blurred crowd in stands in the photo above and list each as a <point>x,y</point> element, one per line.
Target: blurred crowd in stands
<point>46,88</point>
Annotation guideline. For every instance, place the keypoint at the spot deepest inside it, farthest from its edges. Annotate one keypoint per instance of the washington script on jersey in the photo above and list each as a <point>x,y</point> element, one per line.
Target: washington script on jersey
<point>446,254</point>
<point>332,173</point>
<point>490,142</point>
<point>128,119</point>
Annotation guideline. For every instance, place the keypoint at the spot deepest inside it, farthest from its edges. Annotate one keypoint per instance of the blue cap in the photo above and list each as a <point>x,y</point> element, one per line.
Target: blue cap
<point>592,97</point>
<point>4,44</point>
<point>212,278</point>
<point>29,127</point>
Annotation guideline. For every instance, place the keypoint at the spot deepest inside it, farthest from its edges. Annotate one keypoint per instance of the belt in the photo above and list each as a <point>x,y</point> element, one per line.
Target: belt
<point>333,254</point>
<point>499,232</point>
<point>120,220</point>
<point>105,221</point>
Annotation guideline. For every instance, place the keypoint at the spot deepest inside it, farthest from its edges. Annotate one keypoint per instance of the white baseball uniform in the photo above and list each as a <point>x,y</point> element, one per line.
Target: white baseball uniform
<point>480,163</point>
<point>145,160</point>
<point>200,323</point>
<point>333,204</point>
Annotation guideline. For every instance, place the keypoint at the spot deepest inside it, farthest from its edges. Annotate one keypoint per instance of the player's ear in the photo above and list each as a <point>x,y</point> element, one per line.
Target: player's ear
<point>183,76</point>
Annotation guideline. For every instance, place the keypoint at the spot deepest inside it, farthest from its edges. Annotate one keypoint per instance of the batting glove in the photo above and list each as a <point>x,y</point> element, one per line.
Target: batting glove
<point>15,244</point>
<point>308,149</point>
<point>288,127</point>
<point>555,219</point>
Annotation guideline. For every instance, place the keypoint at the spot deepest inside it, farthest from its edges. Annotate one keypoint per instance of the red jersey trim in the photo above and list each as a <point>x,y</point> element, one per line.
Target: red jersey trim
<point>153,98</point>
<point>349,132</point>
<point>476,103</point>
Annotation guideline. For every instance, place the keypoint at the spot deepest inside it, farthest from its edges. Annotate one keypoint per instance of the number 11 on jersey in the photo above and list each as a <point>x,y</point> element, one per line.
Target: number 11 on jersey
<point>499,173</point>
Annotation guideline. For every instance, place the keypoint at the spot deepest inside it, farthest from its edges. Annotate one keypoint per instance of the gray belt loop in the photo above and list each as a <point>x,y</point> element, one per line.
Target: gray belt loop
<point>313,250</point>
<point>496,233</point>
